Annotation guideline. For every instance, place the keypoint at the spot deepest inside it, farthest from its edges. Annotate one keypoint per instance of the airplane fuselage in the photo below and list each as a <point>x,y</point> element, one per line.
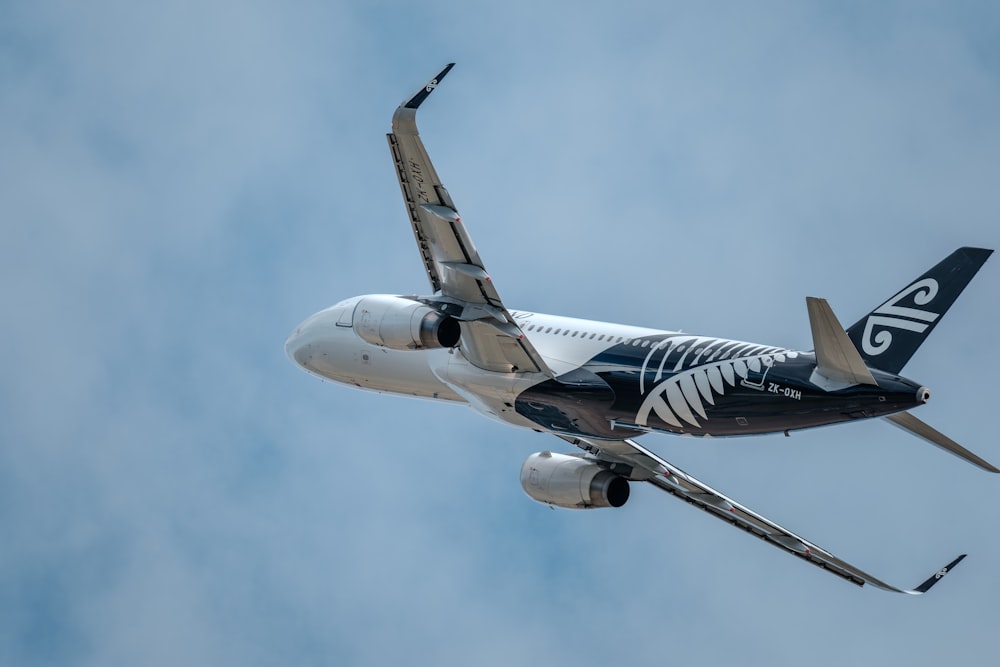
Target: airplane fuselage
<point>613,381</point>
<point>598,385</point>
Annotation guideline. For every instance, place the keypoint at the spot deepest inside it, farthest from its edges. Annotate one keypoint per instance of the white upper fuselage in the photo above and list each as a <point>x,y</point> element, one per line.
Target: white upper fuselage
<point>327,345</point>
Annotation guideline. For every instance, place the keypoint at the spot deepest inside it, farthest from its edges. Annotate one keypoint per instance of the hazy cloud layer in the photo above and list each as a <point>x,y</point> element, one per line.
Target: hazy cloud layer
<point>180,184</point>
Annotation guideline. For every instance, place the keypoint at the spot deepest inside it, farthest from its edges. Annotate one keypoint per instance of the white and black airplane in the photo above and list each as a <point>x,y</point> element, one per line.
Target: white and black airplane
<point>598,386</point>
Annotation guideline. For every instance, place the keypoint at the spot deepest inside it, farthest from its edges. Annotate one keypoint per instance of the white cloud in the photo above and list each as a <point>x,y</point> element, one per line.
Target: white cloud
<point>181,184</point>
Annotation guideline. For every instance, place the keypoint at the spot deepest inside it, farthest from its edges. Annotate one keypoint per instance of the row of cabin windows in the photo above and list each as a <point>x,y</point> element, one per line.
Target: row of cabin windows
<point>611,339</point>
<point>583,334</point>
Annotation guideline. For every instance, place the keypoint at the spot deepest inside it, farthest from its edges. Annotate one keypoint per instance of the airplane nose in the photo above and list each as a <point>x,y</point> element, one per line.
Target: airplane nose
<point>299,342</point>
<point>293,346</point>
<point>316,344</point>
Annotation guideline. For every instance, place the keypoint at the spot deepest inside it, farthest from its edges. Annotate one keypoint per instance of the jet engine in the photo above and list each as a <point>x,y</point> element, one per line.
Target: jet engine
<point>572,482</point>
<point>402,324</point>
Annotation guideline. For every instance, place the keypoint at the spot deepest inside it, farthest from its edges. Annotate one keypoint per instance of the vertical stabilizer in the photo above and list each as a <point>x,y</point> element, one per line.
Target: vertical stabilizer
<point>889,335</point>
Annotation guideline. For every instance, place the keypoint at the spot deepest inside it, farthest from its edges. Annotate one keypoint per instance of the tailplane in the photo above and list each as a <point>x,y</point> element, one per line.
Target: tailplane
<point>908,422</point>
<point>889,335</point>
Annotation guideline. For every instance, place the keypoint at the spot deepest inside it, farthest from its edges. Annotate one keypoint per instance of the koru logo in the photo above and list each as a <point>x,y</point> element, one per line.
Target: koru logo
<point>431,86</point>
<point>890,315</point>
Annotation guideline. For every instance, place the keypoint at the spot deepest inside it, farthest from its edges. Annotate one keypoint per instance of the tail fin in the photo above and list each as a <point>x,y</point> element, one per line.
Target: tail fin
<point>889,335</point>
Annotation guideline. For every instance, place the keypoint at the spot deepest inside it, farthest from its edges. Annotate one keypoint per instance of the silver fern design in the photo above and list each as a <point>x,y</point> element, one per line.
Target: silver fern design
<point>700,369</point>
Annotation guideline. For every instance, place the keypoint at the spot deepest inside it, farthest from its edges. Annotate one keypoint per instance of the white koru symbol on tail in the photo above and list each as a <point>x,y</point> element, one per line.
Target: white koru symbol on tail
<point>892,316</point>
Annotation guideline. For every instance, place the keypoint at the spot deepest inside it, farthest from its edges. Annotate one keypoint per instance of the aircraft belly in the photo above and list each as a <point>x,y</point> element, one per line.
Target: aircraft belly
<point>577,403</point>
<point>680,404</point>
<point>391,371</point>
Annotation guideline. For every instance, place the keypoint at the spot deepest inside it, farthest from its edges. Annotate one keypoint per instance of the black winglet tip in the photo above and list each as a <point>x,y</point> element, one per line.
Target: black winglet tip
<point>937,576</point>
<point>422,94</point>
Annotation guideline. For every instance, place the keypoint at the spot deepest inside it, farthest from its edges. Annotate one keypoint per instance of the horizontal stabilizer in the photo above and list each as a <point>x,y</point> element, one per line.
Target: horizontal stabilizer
<point>908,422</point>
<point>836,356</point>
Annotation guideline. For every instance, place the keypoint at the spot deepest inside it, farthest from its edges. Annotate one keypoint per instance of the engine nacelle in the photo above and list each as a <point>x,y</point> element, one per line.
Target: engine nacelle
<point>403,324</point>
<point>572,482</point>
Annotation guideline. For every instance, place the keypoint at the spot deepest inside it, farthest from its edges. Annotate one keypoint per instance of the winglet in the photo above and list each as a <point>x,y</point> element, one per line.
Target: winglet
<point>836,356</point>
<point>936,577</point>
<point>404,121</point>
<point>427,89</point>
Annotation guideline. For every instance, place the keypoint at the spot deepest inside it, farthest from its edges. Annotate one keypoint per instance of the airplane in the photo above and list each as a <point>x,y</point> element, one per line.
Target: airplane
<point>599,386</point>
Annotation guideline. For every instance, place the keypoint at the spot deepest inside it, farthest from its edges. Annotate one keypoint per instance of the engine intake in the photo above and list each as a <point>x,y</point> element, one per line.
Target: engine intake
<point>572,482</point>
<point>402,324</point>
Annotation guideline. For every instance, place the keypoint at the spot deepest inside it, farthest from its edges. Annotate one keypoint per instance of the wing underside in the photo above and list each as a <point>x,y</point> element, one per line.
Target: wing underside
<point>491,338</point>
<point>633,460</point>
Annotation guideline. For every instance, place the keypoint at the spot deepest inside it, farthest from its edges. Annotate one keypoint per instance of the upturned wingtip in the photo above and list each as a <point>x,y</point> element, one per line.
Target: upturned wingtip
<point>428,88</point>
<point>937,576</point>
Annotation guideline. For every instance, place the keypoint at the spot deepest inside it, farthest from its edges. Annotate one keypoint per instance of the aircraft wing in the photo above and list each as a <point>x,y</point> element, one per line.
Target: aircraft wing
<point>491,338</point>
<point>641,463</point>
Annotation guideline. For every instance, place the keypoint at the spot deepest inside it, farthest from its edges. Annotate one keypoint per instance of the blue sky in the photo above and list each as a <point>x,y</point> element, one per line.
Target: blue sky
<point>182,183</point>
